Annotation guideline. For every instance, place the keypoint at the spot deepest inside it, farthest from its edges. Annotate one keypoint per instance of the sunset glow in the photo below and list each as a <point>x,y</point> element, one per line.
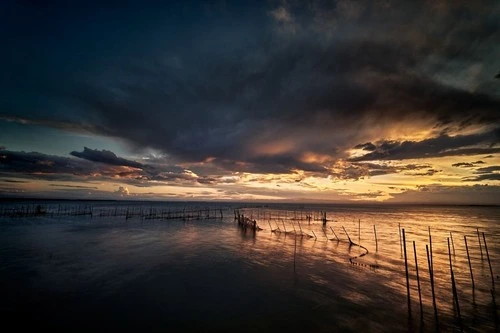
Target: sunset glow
<point>283,101</point>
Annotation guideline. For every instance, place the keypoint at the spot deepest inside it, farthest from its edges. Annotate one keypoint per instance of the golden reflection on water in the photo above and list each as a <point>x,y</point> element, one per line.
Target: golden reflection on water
<point>386,264</point>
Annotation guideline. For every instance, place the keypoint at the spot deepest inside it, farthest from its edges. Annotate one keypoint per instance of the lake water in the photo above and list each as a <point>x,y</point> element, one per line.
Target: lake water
<point>210,275</point>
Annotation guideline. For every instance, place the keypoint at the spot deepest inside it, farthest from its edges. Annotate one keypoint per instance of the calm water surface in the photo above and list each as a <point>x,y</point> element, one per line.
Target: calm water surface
<point>109,273</point>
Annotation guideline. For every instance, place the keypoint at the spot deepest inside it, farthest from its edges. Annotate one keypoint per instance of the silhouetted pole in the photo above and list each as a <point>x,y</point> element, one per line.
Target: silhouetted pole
<point>489,262</point>
<point>400,242</point>
<point>376,241</point>
<point>407,277</point>
<point>468,258</point>
<point>431,275</point>
<point>430,245</point>
<point>338,239</point>
<point>454,287</point>
<point>418,283</point>
<point>452,243</point>
<point>479,240</point>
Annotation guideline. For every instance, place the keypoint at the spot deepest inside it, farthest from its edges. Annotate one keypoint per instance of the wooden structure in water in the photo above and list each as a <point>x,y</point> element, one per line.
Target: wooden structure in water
<point>157,212</point>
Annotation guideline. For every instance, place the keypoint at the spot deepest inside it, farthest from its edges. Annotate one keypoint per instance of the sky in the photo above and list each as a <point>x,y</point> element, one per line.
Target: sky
<point>356,101</point>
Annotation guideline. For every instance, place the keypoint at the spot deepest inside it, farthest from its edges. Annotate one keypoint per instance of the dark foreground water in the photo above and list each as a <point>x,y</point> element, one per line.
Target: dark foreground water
<point>109,273</point>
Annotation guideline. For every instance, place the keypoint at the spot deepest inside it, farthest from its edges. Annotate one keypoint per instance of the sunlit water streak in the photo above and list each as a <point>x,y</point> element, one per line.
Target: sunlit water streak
<point>209,275</point>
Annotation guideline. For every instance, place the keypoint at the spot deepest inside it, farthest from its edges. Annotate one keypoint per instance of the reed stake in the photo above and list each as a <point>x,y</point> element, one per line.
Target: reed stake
<point>418,283</point>
<point>376,241</point>
<point>284,225</point>
<point>489,262</point>
<point>349,238</point>
<point>338,239</point>
<point>430,245</point>
<point>431,275</point>
<point>400,242</point>
<point>479,240</point>
<point>468,258</point>
<point>454,287</point>
<point>452,243</point>
<point>407,277</point>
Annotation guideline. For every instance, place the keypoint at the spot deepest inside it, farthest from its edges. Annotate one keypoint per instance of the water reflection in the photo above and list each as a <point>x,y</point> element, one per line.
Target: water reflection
<point>211,274</point>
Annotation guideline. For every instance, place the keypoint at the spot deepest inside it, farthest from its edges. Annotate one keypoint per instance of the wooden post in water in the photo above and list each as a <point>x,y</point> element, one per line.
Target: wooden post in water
<point>468,258</point>
<point>454,288</point>
<point>418,283</point>
<point>452,243</point>
<point>314,234</point>
<point>338,239</point>
<point>479,240</point>
<point>349,238</point>
<point>284,226</point>
<point>430,246</point>
<point>400,242</point>
<point>407,277</point>
<point>431,275</point>
<point>489,262</point>
<point>376,241</point>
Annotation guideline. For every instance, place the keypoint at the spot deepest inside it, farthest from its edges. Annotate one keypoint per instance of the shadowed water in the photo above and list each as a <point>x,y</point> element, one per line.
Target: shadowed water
<point>78,272</point>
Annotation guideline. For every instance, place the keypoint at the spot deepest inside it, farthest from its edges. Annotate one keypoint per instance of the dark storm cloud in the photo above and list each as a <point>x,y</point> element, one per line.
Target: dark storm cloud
<point>105,156</point>
<point>486,173</point>
<point>366,146</point>
<point>443,145</point>
<point>100,165</point>
<point>467,164</point>
<point>227,84</point>
<point>488,169</point>
<point>359,170</point>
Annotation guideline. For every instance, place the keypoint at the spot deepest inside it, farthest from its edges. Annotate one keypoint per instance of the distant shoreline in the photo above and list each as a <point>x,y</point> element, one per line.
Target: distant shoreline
<point>253,203</point>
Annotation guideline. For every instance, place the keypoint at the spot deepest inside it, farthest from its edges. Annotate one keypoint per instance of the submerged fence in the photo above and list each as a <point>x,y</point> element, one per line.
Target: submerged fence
<point>124,211</point>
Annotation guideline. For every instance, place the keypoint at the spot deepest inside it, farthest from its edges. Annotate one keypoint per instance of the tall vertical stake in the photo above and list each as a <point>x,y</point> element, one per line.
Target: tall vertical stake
<point>400,243</point>
<point>452,243</point>
<point>431,275</point>
<point>418,283</point>
<point>489,262</point>
<point>407,277</point>
<point>454,288</point>
<point>479,240</point>
<point>468,258</point>
<point>376,241</point>
<point>430,245</point>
